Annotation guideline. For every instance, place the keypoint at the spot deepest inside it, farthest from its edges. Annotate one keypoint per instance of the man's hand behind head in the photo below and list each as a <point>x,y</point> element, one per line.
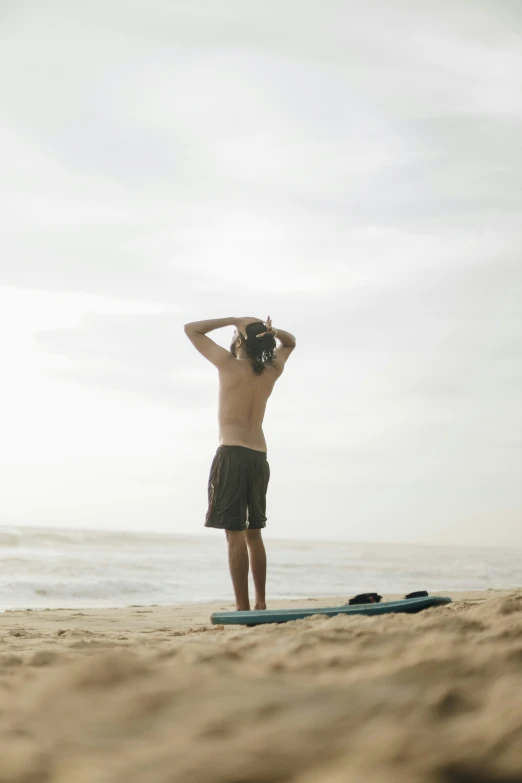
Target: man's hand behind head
<point>242,323</point>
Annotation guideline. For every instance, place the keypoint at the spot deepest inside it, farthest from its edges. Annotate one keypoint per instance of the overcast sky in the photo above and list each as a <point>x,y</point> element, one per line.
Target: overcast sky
<point>351,168</point>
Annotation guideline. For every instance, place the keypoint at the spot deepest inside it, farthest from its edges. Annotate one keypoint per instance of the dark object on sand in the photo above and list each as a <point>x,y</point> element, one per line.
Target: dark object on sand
<point>366,598</point>
<point>418,594</point>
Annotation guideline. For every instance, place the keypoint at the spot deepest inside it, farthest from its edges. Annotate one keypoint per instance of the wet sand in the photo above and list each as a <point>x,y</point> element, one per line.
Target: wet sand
<point>159,695</point>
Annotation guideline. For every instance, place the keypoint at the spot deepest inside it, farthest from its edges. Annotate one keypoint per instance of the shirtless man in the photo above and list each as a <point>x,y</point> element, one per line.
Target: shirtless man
<point>240,472</point>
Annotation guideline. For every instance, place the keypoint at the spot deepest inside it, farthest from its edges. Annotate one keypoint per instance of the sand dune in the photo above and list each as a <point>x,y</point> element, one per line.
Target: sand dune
<point>158,695</point>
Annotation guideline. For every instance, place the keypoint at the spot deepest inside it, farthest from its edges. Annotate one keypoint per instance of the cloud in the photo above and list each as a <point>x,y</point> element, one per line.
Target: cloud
<point>141,356</point>
<point>201,143</point>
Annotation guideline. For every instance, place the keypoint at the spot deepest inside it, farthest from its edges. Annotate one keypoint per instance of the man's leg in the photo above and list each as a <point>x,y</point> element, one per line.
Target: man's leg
<point>256,550</point>
<point>238,562</point>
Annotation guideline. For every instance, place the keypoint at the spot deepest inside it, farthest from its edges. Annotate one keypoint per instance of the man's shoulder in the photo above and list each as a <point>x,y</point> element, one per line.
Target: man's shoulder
<point>244,368</point>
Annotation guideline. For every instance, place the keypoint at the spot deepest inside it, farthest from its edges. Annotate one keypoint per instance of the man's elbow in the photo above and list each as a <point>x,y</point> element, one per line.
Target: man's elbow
<point>188,328</point>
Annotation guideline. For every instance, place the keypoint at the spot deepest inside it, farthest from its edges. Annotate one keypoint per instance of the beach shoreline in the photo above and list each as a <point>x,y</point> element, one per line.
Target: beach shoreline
<point>156,694</point>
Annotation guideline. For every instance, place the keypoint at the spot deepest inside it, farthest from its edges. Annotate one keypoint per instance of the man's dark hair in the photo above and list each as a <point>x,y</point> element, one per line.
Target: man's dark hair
<point>261,350</point>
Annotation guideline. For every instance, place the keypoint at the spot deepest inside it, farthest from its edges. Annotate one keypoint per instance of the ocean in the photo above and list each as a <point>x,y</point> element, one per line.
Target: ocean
<point>45,568</point>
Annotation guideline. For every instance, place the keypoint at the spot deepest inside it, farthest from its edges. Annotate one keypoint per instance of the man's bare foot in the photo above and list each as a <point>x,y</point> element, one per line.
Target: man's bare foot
<point>259,605</point>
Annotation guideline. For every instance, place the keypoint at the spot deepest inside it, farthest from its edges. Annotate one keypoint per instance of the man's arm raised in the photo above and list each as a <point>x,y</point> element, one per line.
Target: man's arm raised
<point>288,343</point>
<point>202,327</point>
<point>196,331</point>
<point>287,340</point>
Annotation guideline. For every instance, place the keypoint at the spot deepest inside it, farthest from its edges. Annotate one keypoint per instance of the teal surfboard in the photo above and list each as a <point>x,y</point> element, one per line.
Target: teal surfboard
<point>409,605</point>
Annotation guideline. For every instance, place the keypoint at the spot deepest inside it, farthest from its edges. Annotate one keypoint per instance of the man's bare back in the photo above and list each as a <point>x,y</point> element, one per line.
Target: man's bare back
<point>242,403</point>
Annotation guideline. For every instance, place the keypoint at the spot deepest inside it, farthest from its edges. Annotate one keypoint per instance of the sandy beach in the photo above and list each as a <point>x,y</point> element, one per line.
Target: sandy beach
<point>159,695</point>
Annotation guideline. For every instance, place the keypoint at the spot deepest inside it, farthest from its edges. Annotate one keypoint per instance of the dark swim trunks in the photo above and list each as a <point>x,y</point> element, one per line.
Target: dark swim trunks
<point>237,489</point>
